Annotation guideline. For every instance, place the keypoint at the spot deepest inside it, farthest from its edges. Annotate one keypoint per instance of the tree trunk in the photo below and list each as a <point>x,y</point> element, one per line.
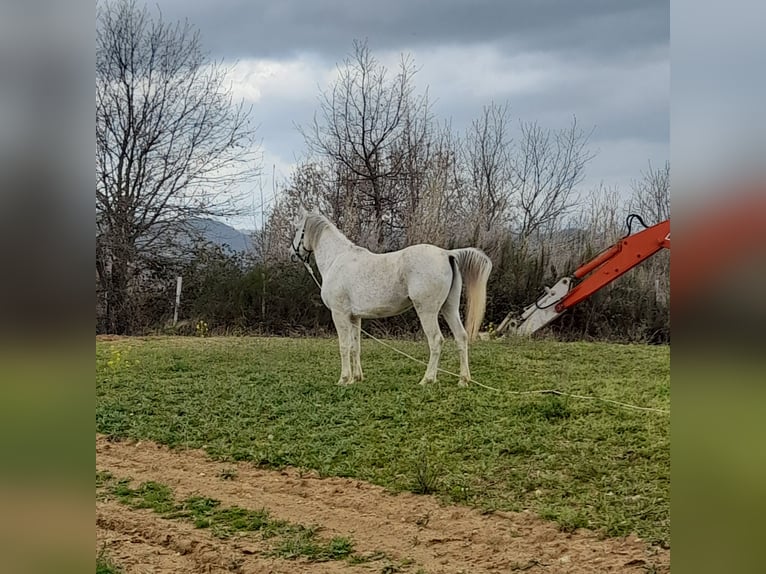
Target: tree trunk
<point>118,315</point>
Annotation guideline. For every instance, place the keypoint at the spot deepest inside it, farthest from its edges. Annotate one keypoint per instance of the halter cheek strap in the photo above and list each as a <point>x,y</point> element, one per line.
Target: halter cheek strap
<point>297,249</point>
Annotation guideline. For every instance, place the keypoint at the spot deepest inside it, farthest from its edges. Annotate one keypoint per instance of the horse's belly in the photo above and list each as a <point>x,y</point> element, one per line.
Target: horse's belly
<point>370,300</point>
<point>376,311</point>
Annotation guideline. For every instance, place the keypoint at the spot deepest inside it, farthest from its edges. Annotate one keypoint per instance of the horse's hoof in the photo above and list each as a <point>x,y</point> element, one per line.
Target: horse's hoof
<point>358,378</point>
<point>425,381</point>
<point>344,382</point>
<point>463,382</point>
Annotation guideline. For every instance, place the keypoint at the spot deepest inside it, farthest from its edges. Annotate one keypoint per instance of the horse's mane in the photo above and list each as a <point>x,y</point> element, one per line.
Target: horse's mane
<point>315,225</point>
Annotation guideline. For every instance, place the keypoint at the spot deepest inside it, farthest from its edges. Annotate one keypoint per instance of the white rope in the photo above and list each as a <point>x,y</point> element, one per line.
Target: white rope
<point>533,392</point>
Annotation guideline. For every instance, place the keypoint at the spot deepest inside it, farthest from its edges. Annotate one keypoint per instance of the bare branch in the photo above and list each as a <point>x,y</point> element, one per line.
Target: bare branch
<point>651,194</point>
<point>547,167</point>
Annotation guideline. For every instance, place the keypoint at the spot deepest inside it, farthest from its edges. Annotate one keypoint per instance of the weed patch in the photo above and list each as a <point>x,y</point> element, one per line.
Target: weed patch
<point>302,543</point>
<point>149,495</point>
<point>105,565</point>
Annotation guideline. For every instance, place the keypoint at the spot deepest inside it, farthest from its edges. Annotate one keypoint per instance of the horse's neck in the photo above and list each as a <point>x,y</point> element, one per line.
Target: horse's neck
<point>331,244</point>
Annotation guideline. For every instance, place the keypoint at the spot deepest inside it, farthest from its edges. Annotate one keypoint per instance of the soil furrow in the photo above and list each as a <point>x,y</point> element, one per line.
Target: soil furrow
<point>410,529</point>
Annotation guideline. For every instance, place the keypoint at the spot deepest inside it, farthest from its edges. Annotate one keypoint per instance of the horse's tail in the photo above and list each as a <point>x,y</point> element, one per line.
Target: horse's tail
<point>475,268</point>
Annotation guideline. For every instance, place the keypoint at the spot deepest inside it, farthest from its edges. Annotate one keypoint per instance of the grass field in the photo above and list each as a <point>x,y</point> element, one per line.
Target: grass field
<point>275,402</point>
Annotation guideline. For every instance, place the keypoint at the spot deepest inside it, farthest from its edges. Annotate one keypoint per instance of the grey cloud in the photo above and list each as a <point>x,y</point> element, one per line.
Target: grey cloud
<point>598,28</point>
<point>594,41</point>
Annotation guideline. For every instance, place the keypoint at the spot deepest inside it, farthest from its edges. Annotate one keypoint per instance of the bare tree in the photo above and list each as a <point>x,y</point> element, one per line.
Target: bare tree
<point>312,185</point>
<point>487,157</point>
<point>171,143</point>
<point>360,127</point>
<point>651,194</point>
<point>651,200</point>
<point>602,216</point>
<point>434,213</point>
<point>547,167</point>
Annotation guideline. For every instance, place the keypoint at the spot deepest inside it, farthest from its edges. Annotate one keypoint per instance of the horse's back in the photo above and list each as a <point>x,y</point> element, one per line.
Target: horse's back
<point>414,260</point>
<point>424,258</point>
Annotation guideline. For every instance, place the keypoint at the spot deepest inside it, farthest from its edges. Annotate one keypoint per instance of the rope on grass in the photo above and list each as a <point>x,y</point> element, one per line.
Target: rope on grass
<point>534,392</point>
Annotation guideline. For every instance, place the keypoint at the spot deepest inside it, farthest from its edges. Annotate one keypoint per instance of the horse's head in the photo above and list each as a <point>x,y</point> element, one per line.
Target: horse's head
<point>298,249</point>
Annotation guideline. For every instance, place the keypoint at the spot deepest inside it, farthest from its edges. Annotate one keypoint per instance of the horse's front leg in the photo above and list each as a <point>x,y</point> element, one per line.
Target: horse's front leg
<point>356,350</point>
<point>345,329</point>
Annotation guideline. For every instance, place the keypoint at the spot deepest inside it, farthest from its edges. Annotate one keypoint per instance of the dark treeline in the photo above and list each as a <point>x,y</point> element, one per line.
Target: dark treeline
<point>238,294</point>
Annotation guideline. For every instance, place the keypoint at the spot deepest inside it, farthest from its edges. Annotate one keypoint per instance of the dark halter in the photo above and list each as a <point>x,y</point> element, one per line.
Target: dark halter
<point>297,250</point>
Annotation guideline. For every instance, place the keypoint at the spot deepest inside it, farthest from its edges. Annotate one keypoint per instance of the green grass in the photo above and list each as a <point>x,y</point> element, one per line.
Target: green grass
<point>303,542</point>
<point>275,402</point>
<point>105,565</point>
<point>292,540</point>
<point>149,495</point>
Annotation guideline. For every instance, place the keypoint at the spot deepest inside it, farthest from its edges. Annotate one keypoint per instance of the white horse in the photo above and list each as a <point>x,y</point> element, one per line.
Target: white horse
<point>358,284</point>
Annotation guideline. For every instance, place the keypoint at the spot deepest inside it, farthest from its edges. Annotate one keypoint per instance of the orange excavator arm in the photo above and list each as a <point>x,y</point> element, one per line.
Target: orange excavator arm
<point>615,261</point>
<point>610,264</point>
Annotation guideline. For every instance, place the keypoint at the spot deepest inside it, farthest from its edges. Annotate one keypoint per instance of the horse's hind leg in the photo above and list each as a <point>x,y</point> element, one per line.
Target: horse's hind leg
<point>451,314</point>
<point>356,349</point>
<point>430,321</point>
<point>345,341</point>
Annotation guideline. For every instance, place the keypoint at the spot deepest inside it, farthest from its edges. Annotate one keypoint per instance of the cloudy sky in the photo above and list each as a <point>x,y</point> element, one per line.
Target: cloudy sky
<point>605,62</point>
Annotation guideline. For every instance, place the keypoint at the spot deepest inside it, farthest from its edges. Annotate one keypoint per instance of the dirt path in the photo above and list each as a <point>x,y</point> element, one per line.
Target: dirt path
<point>410,529</point>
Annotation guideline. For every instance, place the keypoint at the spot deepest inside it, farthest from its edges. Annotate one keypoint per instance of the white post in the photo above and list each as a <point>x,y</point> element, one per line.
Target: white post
<point>179,280</point>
